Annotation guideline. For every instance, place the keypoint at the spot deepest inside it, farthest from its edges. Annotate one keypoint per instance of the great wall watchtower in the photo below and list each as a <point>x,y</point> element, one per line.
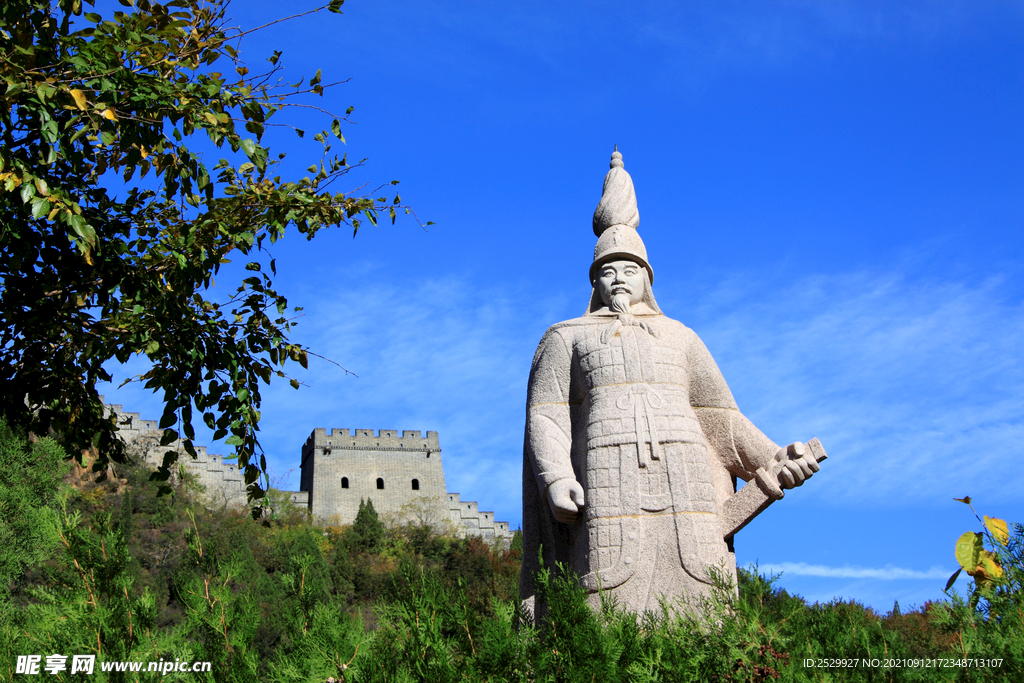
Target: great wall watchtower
<point>402,475</point>
<point>341,467</point>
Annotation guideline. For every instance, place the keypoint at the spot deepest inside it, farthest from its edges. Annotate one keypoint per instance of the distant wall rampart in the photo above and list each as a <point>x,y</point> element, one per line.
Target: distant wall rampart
<point>400,471</point>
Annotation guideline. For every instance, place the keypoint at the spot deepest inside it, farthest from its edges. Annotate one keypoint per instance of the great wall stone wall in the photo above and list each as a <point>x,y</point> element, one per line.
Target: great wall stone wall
<point>401,474</point>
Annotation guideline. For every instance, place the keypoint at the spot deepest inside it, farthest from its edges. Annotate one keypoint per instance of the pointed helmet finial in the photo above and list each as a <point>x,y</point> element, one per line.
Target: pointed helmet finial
<point>616,159</point>
<point>618,199</point>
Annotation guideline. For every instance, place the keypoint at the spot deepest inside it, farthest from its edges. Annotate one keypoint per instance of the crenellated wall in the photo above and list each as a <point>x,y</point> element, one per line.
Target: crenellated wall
<point>223,482</point>
<point>401,472</point>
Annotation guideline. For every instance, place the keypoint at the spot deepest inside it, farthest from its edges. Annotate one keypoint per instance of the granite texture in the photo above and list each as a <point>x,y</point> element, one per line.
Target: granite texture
<point>634,442</point>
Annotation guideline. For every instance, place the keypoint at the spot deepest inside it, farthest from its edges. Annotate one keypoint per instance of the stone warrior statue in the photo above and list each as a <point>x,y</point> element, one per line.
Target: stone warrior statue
<point>634,441</point>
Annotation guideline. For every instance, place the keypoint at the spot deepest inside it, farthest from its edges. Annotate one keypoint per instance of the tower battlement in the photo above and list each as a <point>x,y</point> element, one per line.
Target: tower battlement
<point>400,471</point>
<point>369,439</point>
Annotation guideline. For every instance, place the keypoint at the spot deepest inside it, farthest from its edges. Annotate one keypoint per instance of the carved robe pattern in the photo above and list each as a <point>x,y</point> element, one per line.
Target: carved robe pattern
<point>636,410</point>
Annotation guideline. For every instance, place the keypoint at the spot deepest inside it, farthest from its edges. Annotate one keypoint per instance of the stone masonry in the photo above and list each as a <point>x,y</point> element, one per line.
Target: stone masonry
<point>401,474</point>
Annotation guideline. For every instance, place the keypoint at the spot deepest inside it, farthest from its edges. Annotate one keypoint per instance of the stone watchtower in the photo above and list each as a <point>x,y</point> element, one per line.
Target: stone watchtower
<point>403,476</point>
<point>341,467</point>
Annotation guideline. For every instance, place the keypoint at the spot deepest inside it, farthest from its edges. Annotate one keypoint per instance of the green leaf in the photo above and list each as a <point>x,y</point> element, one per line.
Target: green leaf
<point>28,191</point>
<point>83,230</point>
<point>40,207</point>
<point>249,147</point>
<point>952,579</point>
<point>234,440</point>
<point>968,549</point>
<point>335,6</point>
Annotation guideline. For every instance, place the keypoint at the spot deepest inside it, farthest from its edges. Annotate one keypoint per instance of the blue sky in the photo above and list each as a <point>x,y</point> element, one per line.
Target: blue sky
<point>831,193</point>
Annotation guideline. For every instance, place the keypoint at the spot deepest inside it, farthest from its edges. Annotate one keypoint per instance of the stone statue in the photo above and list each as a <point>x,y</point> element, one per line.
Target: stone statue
<point>634,442</point>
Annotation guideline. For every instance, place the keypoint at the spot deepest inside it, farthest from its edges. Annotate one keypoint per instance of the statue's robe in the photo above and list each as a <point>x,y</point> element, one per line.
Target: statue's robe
<point>636,410</point>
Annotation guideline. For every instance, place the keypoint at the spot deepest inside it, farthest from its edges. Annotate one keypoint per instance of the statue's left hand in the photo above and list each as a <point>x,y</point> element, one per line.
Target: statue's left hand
<point>798,464</point>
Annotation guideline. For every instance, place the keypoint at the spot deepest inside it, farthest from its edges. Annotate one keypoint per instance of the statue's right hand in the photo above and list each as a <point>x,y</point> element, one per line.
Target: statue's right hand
<point>566,499</point>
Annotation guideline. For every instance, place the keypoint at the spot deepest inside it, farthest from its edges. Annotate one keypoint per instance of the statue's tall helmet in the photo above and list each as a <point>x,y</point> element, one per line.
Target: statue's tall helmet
<point>616,221</point>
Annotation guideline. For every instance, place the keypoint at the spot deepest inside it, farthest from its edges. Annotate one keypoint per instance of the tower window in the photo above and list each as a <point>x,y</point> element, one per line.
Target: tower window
<point>344,482</point>
<point>380,483</point>
<point>415,484</point>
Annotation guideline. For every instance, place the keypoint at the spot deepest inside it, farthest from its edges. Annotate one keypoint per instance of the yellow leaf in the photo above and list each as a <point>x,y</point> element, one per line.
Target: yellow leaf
<point>988,564</point>
<point>966,500</point>
<point>143,152</point>
<point>79,98</point>
<point>968,548</point>
<point>998,529</point>
<point>109,114</point>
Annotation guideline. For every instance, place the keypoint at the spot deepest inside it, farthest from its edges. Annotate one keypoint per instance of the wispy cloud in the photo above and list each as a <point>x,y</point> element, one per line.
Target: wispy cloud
<point>887,573</point>
<point>912,385</point>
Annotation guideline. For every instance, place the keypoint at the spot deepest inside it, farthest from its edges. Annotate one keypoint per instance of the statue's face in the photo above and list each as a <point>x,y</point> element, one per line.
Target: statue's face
<point>620,277</point>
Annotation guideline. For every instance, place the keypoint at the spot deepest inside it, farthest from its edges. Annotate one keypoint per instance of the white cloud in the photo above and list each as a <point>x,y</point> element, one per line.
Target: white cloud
<point>887,573</point>
<point>912,386</point>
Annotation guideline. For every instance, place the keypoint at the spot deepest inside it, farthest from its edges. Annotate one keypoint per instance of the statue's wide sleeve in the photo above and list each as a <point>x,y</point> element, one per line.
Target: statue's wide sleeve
<point>739,444</point>
<point>548,427</point>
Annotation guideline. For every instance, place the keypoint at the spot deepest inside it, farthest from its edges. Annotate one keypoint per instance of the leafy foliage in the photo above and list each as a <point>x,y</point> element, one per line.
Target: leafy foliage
<point>87,276</point>
<point>981,564</point>
<point>286,600</point>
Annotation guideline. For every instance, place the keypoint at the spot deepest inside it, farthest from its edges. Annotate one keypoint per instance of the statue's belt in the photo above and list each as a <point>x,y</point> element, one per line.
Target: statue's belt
<point>643,400</point>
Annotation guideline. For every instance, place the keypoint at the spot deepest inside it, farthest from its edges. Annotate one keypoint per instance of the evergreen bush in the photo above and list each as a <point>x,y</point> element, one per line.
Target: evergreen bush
<point>110,568</point>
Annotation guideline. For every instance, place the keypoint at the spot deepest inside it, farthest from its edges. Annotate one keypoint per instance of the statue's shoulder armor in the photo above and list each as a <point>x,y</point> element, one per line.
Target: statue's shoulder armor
<point>561,334</point>
<point>673,326</point>
<point>670,326</point>
<point>567,325</point>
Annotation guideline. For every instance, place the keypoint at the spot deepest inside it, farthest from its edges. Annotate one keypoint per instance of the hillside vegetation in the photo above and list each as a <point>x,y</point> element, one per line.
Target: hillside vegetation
<point>111,569</point>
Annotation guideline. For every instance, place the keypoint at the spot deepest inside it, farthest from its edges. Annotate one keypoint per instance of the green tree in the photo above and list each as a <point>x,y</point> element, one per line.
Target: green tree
<point>87,276</point>
<point>367,527</point>
<point>30,487</point>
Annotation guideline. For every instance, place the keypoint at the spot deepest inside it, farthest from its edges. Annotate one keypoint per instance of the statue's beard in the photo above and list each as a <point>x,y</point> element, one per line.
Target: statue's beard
<point>620,303</point>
